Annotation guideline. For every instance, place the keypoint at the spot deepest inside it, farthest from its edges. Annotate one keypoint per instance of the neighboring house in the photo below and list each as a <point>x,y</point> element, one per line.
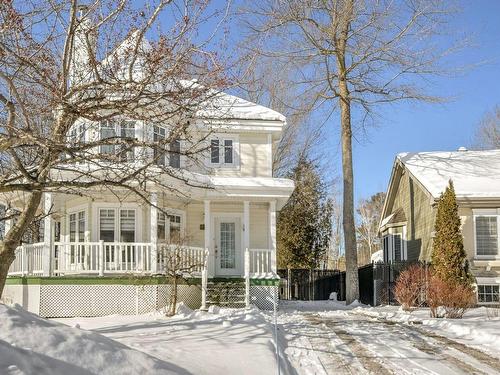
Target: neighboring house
<point>99,251</point>
<point>409,212</point>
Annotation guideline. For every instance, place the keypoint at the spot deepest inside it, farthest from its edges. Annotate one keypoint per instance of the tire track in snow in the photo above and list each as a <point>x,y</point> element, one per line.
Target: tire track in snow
<point>403,350</point>
<point>369,364</point>
<point>478,362</point>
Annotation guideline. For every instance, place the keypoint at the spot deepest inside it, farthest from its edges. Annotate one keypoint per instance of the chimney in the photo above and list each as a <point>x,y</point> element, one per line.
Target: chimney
<point>462,149</point>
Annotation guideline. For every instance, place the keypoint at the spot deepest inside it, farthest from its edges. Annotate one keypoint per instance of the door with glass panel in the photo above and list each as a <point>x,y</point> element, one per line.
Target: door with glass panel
<point>228,246</point>
<point>77,257</point>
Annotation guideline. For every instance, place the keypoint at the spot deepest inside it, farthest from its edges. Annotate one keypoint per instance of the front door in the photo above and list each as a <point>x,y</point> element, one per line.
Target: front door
<point>228,246</point>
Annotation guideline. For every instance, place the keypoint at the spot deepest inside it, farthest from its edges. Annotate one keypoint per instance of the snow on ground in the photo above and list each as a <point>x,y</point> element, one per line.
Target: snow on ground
<point>315,338</point>
<point>326,337</point>
<point>479,328</point>
<point>221,341</point>
<point>33,345</point>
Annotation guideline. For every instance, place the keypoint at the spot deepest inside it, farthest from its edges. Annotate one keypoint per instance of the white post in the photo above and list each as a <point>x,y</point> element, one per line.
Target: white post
<point>272,234</point>
<point>204,282</point>
<point>154,233</point>
<point>207,258</point>
<point>246,246</point>
<point>208,238</point>
<point>24,262</point>
<point>102,258</point>
<point>48,235</point>
<point>247,277</point>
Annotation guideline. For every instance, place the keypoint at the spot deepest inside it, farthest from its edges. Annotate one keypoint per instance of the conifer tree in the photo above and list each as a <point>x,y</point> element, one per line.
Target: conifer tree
<point>304,224</point>
<point>449,260</point>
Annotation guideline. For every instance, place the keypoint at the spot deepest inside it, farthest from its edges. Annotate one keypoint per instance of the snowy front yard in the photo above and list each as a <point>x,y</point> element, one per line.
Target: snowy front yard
<point>314,338</point>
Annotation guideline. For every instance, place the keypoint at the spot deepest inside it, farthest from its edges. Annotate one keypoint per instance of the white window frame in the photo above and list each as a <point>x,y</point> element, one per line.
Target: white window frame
<point>494,281</point>
<point>494,212</point>
<point>176,212</point>
<point>137,232</point>
<point>236,151</point>
<point>117,122</point>
<point>76,210</point>
<point>167,151</point>
<point>391,233</point>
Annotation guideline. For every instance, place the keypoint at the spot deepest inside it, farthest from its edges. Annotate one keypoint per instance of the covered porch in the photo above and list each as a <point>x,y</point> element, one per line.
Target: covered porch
<point>220,237</point>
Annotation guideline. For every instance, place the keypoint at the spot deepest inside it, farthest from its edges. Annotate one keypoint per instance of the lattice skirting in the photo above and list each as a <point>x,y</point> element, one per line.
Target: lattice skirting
<point>88,300</point>
<point>264,297</point>
<point>99,300</point>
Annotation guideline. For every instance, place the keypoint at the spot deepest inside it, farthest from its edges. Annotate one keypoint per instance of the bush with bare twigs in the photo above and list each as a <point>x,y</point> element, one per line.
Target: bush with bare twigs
<point>454,298</point>
<point>411,286</point>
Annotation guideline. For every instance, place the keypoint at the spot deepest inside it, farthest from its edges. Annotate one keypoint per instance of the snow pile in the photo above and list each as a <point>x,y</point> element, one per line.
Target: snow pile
<point>33,345</point>
<point>318,306</point>
<point>378,256</point>
<point>220,341</point>
<point>475,329</point>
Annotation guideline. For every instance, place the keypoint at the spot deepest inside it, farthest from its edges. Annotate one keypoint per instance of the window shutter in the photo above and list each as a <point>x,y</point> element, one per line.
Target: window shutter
<point>214,151</point>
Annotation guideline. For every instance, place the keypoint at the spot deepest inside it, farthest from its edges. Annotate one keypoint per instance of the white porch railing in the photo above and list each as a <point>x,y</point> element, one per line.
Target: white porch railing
<point>260,262</point>
<point>181,259</point>
<point>107,258</point>
<point>29,260</point>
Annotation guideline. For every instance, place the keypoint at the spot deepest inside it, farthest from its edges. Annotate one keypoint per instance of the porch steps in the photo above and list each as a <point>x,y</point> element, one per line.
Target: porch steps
<point>226,293</point>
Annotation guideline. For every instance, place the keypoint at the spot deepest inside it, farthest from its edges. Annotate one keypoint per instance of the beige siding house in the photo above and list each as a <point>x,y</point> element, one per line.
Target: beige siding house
<point>214,214</point>
<point>408,216</point>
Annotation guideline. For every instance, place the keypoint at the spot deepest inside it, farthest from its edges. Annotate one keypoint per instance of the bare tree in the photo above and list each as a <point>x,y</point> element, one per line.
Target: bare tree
<point>75,79</point>
<point>369,211</point>
<point>488,131</point>
<point>180,264</point>
<point>351,56</point>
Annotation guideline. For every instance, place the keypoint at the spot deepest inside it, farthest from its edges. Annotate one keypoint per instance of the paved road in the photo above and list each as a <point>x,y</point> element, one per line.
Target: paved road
<point>352,343</point>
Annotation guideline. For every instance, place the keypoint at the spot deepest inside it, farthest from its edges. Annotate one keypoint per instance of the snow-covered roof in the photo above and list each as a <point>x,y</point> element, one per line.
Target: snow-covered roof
<point>226,106</point>
<point>475,174</point>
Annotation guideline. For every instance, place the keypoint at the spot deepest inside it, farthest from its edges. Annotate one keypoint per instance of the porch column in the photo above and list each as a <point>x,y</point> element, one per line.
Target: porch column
<point>208,238</point>
<point>208,263</point>
<point>272,234</point>
<point>48,235</point>
<point>246,248</point>
<point>154,233</point>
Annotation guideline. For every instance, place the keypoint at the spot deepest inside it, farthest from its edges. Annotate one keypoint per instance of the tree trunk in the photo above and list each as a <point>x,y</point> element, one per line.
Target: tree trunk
<point>13,236</point>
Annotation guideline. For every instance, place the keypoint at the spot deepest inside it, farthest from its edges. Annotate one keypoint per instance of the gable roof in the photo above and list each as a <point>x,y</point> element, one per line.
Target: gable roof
<point>221,106</point>
<point>475,174</point>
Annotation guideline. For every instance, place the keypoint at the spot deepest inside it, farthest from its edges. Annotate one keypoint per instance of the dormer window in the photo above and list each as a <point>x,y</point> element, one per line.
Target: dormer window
<point>124,129</point>
<point>223,151</point>
<point>166,155</point>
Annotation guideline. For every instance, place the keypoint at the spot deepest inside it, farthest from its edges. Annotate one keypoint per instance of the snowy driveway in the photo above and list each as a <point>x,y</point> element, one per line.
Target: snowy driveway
<point>350,342</point>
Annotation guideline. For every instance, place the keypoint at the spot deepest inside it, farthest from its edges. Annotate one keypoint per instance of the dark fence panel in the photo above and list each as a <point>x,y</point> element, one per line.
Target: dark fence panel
<point>315,285</point>
<point>309,285</point>
<point>385,275</point>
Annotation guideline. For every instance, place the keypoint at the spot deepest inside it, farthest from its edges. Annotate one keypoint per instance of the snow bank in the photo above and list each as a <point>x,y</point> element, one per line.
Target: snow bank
<point>475,329</point>
<point>318,306</point>
<point>33,345</point>
<point>219,341</point>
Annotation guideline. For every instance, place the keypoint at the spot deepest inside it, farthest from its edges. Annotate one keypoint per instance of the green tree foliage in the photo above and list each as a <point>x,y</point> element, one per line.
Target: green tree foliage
<point>304,224</point>
<point>449,259</point>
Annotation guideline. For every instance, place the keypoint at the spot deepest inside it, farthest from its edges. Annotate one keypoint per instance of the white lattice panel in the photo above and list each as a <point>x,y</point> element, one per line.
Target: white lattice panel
<point>96,300</point>
<point>264,297</point>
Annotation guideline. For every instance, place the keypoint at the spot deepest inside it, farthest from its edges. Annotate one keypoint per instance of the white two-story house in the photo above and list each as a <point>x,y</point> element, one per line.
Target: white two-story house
<point>105,252</point>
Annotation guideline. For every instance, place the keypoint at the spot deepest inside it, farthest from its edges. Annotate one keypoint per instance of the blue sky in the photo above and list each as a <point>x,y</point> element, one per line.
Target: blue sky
<point>410,127</point>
